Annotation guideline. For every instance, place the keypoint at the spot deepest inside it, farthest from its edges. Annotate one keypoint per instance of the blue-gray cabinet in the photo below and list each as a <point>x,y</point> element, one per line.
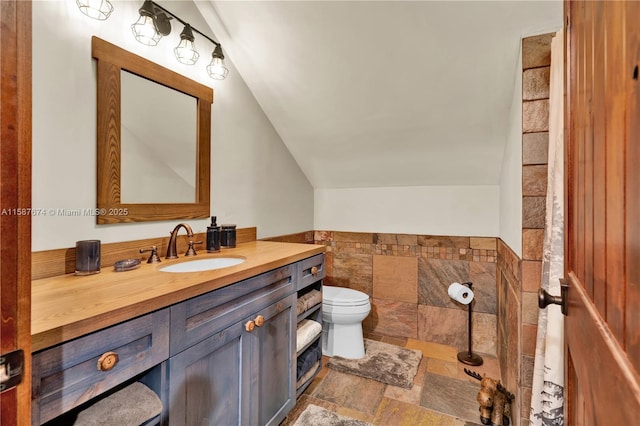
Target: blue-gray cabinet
<point>73,373</point>
<point>242,374</point>
<point>226,357</point>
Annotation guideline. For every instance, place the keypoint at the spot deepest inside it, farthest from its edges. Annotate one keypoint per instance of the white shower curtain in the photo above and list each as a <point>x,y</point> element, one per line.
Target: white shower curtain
<point>547,401</point>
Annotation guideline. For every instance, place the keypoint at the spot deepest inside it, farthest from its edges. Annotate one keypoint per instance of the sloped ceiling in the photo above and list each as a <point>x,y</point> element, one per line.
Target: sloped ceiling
<point>384,93</point>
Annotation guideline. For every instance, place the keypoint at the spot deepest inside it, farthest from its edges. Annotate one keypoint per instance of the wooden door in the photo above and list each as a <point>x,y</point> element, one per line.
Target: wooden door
<point>15,201</point>
<point>602,248</point>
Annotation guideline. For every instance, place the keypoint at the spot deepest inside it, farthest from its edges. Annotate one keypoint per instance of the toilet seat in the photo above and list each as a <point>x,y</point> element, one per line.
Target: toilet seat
<point>339,296</point>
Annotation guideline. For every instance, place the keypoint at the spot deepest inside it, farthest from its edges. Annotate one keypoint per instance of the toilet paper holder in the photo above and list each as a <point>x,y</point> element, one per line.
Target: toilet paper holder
<point>468,357</point>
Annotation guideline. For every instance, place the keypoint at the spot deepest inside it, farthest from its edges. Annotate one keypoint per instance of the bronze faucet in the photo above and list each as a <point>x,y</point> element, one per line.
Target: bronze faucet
<point>172,251</point>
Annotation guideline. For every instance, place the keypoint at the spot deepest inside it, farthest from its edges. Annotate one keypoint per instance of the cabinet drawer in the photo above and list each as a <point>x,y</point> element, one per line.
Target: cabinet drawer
<point>311,270</point>
<point>200,317</point>
<point>68,375</point>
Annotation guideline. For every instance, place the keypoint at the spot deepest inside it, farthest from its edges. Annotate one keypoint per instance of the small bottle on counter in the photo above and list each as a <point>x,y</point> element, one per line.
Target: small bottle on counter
<point>228,236</point>
<point>213,236</point>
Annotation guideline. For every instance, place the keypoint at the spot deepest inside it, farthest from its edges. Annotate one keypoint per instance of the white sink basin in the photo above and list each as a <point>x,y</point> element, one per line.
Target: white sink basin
<point>203,264</point>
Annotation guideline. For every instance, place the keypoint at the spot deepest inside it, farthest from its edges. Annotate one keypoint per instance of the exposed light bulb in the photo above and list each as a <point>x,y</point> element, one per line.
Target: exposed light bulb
<point>216,68</point>
<point>144,30</point>
<point>186,52</point>
<point>96,9</point>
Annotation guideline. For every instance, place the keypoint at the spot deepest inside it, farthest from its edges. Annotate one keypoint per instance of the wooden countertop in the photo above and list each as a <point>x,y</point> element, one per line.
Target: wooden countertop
<point>69,306</point>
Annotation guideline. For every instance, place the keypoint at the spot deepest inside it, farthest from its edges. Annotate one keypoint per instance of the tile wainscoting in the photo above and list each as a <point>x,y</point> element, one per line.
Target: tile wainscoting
<point>407,277</point>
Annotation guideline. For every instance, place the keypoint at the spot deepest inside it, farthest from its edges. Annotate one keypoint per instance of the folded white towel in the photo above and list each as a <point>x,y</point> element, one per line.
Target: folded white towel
<point>132,405</point>
<point>307,331</point>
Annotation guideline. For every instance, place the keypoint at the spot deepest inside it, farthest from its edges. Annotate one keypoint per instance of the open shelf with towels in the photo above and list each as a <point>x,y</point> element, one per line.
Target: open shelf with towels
<point>141,400</point>
<point>309,329</point>
<point>310,312</point>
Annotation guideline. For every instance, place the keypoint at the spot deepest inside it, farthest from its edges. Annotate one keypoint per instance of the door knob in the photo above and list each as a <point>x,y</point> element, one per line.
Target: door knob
<point>545,298</point>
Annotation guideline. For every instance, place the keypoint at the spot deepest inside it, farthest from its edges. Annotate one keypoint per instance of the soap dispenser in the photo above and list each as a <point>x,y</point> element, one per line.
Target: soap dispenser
<point>213,236</point>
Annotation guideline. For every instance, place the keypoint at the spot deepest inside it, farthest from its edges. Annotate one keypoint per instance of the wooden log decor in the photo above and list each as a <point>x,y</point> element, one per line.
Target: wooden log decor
<point>494,400</point>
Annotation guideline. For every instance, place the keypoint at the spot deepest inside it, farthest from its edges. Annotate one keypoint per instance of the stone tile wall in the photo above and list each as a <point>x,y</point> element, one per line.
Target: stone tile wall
<point>518,279</point>
<point>407,277</point>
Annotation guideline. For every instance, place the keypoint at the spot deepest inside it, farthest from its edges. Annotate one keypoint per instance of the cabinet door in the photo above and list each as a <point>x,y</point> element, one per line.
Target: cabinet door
<point>238,377</point>
<point>273,371</point>
<point>207,381</point>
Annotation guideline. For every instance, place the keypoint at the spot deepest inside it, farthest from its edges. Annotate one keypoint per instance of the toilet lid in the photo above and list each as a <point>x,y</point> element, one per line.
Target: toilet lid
<point>343,296</point>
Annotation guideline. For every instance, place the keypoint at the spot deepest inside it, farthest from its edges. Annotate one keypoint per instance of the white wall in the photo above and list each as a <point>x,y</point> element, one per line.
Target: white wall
<point>511,173</point>
<point>429,210</point>
<point>255,181</point>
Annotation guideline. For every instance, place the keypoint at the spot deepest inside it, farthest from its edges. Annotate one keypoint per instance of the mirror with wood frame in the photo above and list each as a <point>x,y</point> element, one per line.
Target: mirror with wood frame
<point>112,63</point>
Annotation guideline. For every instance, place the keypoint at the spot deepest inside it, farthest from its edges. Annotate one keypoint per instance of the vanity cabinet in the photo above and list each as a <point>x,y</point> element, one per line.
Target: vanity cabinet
<point>224,357</point>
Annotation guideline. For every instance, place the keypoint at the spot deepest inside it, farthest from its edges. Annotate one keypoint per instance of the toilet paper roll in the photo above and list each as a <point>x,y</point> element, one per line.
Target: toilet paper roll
<point>460,293</point>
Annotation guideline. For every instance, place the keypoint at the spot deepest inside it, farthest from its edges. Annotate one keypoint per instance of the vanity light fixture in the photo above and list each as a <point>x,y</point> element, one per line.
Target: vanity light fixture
<point>96,9</point>
<point>154,23</point>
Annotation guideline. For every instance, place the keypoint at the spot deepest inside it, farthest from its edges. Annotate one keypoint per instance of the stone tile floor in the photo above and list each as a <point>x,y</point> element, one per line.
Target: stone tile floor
<point>442,393</point>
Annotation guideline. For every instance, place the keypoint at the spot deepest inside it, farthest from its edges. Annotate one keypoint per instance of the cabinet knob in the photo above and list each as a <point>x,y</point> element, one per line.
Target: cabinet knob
<point>249,326</point>
<point>107,361</point>
<point>259,320</point>
<point>314,271</point>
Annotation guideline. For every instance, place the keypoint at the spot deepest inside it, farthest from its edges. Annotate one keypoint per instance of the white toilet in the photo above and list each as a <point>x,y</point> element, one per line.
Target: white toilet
<point>343,310</point>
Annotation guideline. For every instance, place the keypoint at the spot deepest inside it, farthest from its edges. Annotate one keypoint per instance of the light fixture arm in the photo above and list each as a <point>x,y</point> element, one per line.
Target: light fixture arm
<point>157,6</point>
<point>155,22</point>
